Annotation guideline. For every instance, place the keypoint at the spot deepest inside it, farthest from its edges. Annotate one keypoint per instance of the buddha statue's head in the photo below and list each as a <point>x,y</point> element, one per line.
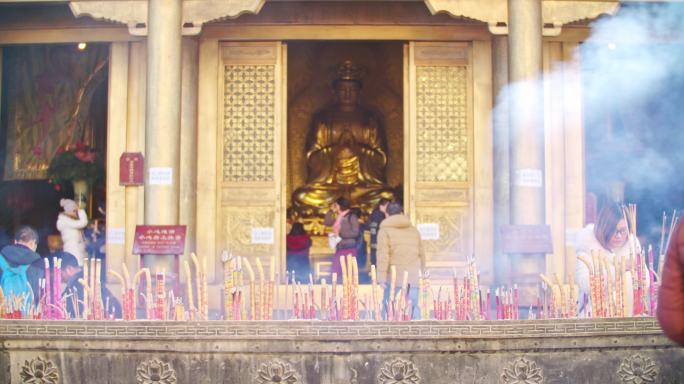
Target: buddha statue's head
<point>347,83</point>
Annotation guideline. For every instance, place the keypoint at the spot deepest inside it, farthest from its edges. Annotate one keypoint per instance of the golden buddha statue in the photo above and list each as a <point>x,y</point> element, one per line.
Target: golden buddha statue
<point>345,152</point>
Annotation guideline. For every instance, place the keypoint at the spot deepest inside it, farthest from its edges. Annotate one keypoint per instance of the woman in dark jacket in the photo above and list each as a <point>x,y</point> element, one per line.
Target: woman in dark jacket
<point>671,293</point>
<point>298,244</point>
<point>345,224</point>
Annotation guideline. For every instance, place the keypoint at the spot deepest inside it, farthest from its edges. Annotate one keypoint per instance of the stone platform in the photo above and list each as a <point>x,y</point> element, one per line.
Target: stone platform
<point>627,350</point>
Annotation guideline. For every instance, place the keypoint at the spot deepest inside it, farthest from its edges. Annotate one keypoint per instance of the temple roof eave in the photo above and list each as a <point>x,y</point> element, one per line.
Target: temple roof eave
<point>134,12</point>
<point>555,13</point>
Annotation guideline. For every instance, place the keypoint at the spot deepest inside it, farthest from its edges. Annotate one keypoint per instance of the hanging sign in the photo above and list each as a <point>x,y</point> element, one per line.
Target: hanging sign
<point>131,169</point>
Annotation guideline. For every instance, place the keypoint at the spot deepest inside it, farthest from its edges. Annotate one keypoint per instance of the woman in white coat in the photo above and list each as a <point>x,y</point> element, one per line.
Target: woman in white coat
<point>611,236</point>
<point>70,224</point>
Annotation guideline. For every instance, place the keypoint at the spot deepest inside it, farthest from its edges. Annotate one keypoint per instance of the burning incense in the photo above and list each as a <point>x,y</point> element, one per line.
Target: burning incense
<point>205,289</point>
<point>200,287</point>
<point>393,282</point>
<point>261,304</point>
<point>345,293</point>
<point>374,294</point>
<point>48,290</point>
<point>252,290</point>
<point>191,300</point>
<point>271,282</point>
<point>227,284</point>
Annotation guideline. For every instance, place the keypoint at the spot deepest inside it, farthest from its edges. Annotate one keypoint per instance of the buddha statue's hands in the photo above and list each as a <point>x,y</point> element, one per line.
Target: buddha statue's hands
<point>347,139</point>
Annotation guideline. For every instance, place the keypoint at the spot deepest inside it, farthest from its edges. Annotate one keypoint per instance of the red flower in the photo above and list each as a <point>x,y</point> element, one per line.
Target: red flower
<point>58,187</point>
<point>60,150</point>
<point>85,156</point>
<point>80,146</point>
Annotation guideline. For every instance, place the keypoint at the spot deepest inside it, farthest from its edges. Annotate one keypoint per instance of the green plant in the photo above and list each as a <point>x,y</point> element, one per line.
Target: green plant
<point>79,162</point>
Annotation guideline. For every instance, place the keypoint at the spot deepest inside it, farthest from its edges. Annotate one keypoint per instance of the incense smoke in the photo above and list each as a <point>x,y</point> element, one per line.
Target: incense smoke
<point>633,108</point>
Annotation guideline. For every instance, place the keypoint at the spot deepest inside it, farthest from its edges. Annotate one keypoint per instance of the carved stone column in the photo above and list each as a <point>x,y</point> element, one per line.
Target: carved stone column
<point>526,130</point>
<point>162,124</point>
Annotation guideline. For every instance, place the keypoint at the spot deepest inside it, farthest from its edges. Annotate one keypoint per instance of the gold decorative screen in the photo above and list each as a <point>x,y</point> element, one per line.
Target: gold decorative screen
<point>442,123</point>
<point>249,114</point>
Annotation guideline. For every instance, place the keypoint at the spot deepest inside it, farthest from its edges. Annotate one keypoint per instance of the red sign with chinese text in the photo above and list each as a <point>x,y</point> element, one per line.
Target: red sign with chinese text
<point>131,169</point>
<point>159,240</point>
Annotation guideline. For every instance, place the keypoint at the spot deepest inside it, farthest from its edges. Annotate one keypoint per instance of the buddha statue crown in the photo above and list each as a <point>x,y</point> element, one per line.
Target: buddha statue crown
<point>350,72</point>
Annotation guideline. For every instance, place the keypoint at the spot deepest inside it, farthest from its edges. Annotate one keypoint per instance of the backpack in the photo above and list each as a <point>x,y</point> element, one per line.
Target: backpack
<point>14,281</point>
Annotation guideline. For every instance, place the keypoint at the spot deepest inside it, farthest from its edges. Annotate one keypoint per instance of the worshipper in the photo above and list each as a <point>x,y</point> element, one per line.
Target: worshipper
<point>611,236</point>
<point>345,224</point>
<point>670,310</point>
<point>71,273</point>
<point>399,244</point>
<point>298,244</point>
<point>70,224</point>
<point>376,217</point>
<point>22,253</point>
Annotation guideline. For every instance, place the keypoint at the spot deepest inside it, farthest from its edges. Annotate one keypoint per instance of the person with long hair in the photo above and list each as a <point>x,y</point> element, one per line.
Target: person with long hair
<point>345,225</point>
<point>611,236</point>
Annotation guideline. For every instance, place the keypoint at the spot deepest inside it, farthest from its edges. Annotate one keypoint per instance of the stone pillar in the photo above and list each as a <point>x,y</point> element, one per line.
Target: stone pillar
<point>162,124</point>
<point>526,132</point>
<point>188,144</point>
<point>502,185</point>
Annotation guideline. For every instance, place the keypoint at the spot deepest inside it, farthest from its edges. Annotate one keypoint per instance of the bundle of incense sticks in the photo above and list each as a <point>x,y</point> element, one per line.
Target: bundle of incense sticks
<point>200,286</point>
<point>205,290</point>
<point>333,299</point>
<point>375,313</point>
<point>652,282</point>
<point>355,288</point>
<point>125,307</point>
<point>260,306</point>
<point>345,289</point>
<point>191,297</point>
<point>324,300</point>
<point>393,281</point>
<point>48,309</point>
<point>252,291</point>
<point>57,289</point>
<point>160,280</point>
<point>271,283</point>
<point>228,268</point>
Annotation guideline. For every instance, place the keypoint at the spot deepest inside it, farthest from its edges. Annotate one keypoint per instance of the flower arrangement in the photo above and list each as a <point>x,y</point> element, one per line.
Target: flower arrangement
<point>77,162</point>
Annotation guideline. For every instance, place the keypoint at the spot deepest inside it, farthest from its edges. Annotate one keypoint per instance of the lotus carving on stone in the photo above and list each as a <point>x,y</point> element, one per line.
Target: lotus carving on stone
<point>276,372</point>
<point>638,370</point>
<point>522,371</point>
<point>398,371</point>
<point>155,372</point>
<point>39,371</point>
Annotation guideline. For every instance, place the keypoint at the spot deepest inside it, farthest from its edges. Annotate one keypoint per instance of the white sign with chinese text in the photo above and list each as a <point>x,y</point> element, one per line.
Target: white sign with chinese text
<point>116,235</point>
<point>262,235</point>
<point>428,231</point>
<point>161,176</point>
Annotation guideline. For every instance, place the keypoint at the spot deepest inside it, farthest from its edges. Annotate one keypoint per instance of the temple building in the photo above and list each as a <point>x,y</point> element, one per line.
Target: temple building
<point>249,115</point>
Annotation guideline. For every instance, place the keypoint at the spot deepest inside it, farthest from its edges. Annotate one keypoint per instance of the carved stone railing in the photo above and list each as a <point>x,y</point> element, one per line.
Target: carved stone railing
<point>627,350</point>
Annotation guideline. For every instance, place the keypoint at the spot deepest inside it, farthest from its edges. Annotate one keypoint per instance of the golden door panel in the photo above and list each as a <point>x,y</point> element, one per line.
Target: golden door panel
<point>442,116</point>
<point>250,83</point>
